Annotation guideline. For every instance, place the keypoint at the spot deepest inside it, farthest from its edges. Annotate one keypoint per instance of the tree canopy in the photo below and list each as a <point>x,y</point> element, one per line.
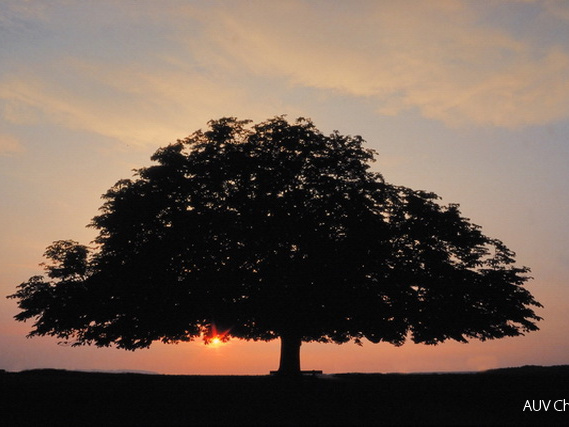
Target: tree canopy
<point>275,230</point>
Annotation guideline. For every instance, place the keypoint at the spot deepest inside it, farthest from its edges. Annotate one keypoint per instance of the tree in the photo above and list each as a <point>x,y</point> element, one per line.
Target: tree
<point>276,230</point>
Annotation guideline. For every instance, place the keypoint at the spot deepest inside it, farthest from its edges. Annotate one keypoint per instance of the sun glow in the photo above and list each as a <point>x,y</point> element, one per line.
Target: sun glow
<point>216,341</point>
<point>215,337</point>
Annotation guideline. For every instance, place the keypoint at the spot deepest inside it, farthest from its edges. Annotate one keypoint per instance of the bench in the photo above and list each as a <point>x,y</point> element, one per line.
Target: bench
<point>307,373</point>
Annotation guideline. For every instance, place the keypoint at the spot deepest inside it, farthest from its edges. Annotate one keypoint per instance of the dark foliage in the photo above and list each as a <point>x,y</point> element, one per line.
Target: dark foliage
<point>275,230</point>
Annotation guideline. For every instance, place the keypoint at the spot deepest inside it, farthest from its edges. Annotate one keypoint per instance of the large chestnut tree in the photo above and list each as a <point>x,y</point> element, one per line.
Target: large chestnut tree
<point>276,231</point>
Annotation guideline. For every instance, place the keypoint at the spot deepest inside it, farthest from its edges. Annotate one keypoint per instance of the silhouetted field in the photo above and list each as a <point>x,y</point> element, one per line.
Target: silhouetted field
<point>54,397</point>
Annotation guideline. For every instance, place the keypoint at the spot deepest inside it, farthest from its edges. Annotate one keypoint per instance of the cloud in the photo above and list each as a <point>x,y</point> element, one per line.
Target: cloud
<point>112,70</point>
<point>10,145</point>
<point>129,103</point>
<point>437,58</point>
<point>155,73</point>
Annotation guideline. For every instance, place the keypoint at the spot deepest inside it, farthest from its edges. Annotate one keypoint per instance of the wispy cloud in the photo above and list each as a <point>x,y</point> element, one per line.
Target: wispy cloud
<point>441,59</point>
<point>128,103</point>
<point>437,58</point>
<point>10,145</point>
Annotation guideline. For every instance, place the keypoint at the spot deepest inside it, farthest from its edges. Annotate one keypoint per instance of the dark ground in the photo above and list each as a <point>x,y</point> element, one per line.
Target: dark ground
<point>53,397</point>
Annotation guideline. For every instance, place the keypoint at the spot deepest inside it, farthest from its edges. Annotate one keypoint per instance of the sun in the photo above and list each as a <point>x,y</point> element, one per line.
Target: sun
<point>216,342</point>
<point>215,337</point>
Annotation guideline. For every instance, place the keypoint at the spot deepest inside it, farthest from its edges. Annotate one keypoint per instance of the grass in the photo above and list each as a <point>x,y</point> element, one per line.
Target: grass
<point>55,397</point>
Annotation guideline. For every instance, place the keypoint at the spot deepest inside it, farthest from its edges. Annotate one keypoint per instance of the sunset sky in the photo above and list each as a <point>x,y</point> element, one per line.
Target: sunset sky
<point>469,99</point>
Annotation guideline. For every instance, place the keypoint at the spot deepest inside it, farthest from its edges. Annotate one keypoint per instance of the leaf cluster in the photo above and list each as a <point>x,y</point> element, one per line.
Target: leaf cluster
<point>270,229</point>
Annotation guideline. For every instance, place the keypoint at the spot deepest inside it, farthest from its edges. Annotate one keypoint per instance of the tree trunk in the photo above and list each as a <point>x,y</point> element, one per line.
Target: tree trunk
<point>290,355</point>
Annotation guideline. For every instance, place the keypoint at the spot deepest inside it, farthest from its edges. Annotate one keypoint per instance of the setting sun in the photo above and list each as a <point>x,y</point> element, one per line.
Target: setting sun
<point>215,337</point>
<point>216,341</point>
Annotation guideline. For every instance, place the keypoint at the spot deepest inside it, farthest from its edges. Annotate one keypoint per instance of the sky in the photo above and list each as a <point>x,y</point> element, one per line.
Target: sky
<point>468,99</point>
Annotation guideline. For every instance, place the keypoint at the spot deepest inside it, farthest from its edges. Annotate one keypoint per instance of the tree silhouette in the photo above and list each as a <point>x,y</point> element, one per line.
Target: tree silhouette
<point>276,230</point>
